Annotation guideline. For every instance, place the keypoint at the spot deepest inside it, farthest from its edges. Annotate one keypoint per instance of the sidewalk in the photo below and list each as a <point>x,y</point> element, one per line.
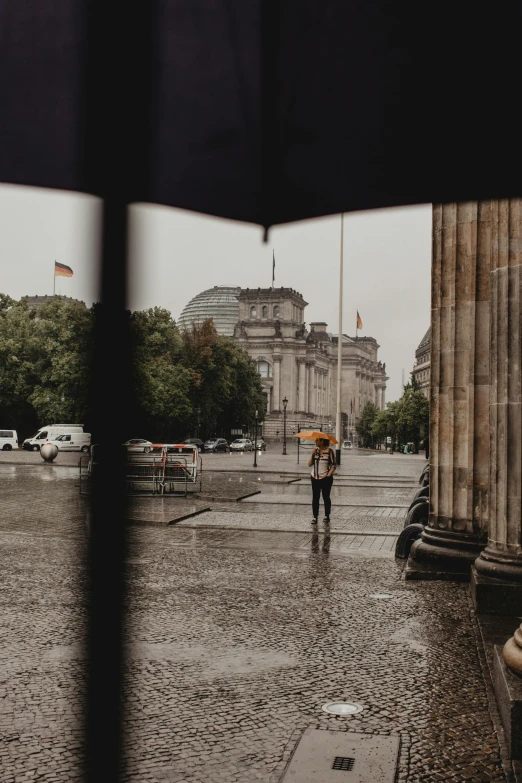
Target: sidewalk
<point>238,633</point>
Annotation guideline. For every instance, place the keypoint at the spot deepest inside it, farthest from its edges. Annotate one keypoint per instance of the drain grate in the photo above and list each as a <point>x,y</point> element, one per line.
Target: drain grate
<point>343,762</point>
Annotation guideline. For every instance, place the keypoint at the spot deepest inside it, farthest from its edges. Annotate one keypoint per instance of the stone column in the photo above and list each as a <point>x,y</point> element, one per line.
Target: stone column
<point>497,574</point>
<point>276,396</point>
<point>459,408</point>
<point>302,385</point>
<point>311,384</point>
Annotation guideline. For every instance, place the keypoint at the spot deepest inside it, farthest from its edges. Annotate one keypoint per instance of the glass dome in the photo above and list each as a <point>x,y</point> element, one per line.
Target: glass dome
<point>219,303</point>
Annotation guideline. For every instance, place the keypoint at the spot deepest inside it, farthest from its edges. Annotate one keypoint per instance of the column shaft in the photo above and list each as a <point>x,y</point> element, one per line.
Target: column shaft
<point>276,396</point>
<point>302,386</point>
<point>501,561</point>
<point>459,408</point>
<point>311,392</point>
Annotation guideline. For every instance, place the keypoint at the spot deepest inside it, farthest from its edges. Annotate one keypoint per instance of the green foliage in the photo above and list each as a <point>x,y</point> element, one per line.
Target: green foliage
<point>179,379</point>
<point>365,423</point>
<point>226,388</point>
<point>413,416</point>
<point>405,420</point>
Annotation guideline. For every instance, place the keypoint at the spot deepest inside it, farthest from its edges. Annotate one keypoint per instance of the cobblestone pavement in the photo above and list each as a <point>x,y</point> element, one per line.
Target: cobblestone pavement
<point>273,518</point>
<point>232,650</point>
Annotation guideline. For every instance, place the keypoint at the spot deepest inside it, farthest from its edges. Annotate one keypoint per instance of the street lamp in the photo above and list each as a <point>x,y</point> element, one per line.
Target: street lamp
<point>255,443</point>
<point>285,403</point>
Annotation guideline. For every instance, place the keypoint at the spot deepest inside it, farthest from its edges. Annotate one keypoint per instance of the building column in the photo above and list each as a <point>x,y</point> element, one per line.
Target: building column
<point>497,574</point>
<point>459,407</point>
<point>302,385</point>
<point>276,395</point>
<point>311,378</point>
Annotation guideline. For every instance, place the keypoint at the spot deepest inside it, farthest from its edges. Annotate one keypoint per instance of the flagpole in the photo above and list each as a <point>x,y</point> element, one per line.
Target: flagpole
<point>338,418</point>
<point>54,277</point>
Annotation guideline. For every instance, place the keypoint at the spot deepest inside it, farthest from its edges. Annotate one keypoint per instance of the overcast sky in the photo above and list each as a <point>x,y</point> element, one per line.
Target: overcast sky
<point>176,254</point>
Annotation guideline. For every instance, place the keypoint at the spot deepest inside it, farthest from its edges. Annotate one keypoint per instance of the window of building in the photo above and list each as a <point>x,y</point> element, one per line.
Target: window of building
<point>264,369</point>
<point>276,311</point>
<point>253,312</point>
<point>264,311</point>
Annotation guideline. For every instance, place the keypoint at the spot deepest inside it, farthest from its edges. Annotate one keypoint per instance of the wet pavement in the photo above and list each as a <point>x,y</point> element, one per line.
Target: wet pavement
<point>242,623</point>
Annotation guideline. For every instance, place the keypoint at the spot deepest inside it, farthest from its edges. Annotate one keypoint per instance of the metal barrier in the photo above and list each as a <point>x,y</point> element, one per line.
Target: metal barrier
<point>84,466</point>
<point>160,473</point>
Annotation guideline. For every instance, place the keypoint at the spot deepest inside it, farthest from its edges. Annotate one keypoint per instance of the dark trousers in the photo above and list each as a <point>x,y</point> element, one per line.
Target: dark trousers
<point>323,485</point>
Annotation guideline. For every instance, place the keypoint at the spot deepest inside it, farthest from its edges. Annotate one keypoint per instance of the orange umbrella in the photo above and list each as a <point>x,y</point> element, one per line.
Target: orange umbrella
<point>314,434</point>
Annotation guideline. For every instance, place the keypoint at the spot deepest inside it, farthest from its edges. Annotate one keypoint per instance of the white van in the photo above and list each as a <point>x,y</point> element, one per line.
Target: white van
<point>8,440</point>
<point>50,432</point>
<point>73,441</point>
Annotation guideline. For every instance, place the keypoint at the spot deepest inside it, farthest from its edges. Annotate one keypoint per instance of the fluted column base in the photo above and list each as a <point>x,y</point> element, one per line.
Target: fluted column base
<point>496,582</point>
<point>444,555</point>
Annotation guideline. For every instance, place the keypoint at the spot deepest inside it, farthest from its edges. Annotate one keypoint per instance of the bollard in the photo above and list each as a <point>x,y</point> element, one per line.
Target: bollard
<point>48,452</point>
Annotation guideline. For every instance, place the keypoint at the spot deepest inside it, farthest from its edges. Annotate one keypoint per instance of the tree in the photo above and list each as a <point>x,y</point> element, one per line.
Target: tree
<point>365,423</point>
<point>46,370</point>
<point>161,386</point>
<point>413,416</point>
<point>381,426</point>
<point>61,348</point>
<point>226,386</point>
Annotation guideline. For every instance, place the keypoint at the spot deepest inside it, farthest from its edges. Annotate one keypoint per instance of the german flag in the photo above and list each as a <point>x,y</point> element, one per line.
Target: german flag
<point>61,270</point>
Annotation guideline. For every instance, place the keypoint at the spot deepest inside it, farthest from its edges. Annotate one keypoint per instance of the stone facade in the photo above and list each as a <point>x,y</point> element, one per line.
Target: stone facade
<point>34,302</point>
<point>300,365</point>
<point>422,367</point>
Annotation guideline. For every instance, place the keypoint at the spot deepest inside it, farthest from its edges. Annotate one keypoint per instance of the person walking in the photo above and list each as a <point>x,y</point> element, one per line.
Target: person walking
<point>323,466</point>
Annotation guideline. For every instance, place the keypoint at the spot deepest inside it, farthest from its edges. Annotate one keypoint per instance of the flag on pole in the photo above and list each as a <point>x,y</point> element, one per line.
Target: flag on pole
<point>359,322</point>
<point>273,267</point>
<point>61,270</point>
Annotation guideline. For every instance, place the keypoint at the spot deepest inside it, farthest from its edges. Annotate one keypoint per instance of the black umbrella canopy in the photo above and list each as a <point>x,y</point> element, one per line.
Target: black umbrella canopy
<point>270,111</point>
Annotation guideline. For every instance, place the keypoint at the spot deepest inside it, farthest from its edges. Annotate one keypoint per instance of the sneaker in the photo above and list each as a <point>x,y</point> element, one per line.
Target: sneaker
<point>314,521</point>
<point>326,520</point>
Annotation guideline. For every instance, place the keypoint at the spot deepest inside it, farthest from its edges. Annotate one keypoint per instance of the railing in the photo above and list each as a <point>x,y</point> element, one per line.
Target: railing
<point>156,474</point>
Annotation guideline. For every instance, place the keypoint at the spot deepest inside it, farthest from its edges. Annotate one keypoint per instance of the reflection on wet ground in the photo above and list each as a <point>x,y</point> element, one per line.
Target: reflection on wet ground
<point>235,639</point>
<point>378,545</point>
<point>38,472</point>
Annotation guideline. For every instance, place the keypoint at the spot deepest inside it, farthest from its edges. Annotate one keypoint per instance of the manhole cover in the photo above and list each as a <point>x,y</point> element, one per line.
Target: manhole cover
<point>342,708</point>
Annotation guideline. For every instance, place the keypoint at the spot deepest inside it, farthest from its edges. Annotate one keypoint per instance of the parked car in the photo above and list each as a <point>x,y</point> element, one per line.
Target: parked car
<point>241,444</point>
<point>138,446</point>
<point>215,444</point>
<point>260,444</point>
<point>73,441</point>
<point>195,441</point>
<point>8,440</point>
<point>347,444</point>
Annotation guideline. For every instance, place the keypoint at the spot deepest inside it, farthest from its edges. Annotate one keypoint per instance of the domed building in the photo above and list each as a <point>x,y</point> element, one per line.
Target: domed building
<point>219,303</point>
<point>298,366</point>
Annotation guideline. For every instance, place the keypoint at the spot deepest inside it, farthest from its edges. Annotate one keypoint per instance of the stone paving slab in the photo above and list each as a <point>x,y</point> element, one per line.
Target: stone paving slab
<point>376,545</point>
<point>225,517</point>
<point>303,500</point>
<point>370,494</point>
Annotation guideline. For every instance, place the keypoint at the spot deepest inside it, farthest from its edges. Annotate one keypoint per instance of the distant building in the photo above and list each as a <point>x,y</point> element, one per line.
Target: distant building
<point>34,302</point>
<point>421,368</point>
<point>295,363</point>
